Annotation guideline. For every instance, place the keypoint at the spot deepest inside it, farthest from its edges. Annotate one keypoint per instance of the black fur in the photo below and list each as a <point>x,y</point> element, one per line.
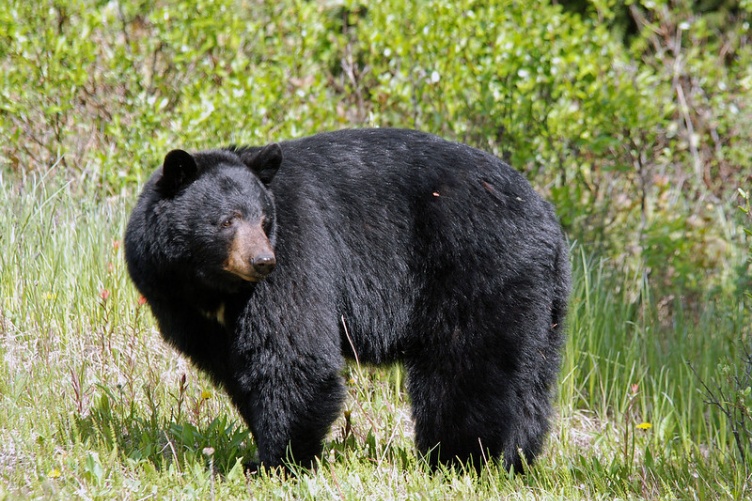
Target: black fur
<point>431,253</point>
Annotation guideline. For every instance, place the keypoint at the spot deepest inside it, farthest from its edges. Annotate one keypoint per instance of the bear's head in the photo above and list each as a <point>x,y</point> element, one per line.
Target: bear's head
<point>214,216</point>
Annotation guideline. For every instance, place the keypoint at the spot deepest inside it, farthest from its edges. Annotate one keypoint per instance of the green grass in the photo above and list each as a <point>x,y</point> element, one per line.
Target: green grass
<point>94,405</point>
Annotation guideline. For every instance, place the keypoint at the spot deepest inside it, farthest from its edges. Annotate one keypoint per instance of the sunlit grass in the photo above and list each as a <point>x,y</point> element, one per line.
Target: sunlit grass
<point>94,405</point>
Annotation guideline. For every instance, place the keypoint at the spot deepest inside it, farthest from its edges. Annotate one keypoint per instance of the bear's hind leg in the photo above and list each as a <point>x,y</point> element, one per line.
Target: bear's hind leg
<point>473,415</point>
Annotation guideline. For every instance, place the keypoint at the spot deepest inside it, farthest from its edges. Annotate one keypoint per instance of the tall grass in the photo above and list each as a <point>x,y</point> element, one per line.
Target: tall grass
<point>94,405</point>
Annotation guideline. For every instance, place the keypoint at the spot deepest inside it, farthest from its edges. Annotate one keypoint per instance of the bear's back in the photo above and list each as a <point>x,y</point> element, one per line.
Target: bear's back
<point>379,215</point>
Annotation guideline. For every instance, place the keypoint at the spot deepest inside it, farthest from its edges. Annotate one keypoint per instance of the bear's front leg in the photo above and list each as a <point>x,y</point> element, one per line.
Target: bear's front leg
<point>205,341</point>
<point>289,405</point>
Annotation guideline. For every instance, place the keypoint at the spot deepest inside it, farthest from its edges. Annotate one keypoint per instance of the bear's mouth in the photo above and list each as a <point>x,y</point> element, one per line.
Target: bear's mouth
<point>247,276</point>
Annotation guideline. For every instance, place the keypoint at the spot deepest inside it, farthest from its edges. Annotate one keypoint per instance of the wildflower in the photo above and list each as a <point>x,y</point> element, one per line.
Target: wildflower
<point>206,395</point>
<point>141,300</point>
<point>104,294</point>
<point>644,426</point>
<point>54,473</point>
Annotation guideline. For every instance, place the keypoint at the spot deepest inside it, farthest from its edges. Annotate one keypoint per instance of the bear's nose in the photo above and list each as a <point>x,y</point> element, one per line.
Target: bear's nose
<point>264,264</point>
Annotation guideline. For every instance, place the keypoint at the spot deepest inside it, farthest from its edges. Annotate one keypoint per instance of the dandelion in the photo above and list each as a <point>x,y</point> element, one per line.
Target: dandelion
<point>206,395</point>
<point>644,426</point>
<point>54,473</point>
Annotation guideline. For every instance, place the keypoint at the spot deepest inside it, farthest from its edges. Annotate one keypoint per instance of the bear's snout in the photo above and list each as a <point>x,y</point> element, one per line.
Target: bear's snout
<point>264,264</point>
<point>250,256</point>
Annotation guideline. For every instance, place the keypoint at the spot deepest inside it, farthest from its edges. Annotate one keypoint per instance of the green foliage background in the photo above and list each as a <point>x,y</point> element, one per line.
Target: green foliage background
<point>634,118</point>
<point>640,144</point>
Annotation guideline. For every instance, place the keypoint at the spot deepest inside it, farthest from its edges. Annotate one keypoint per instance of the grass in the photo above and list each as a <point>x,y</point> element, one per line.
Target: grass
<point>94,405</point>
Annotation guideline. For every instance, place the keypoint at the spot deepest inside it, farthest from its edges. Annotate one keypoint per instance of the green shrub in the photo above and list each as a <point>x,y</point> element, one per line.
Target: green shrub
<point>640,144</point>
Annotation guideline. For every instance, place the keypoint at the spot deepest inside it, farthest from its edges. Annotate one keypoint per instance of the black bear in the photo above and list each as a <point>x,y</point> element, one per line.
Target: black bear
<point>270,266</point>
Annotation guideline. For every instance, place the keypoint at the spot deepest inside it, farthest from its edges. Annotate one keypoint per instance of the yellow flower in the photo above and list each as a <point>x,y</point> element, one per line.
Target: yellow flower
<point>644,426</point>
<point>54,473</point>
<point>206,395</point>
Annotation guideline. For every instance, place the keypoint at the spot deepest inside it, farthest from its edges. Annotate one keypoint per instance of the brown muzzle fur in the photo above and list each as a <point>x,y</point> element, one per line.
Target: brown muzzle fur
<point>251,256</point>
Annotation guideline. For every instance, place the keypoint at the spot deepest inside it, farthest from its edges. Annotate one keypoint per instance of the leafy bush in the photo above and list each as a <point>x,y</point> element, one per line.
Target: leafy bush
<point>109,87</point>
<point>640,145</point>
<point>611,133</point>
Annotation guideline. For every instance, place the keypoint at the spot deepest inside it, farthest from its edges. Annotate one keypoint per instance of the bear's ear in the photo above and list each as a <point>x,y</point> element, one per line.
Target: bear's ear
<point>179,169</point>
<point>264,162</point>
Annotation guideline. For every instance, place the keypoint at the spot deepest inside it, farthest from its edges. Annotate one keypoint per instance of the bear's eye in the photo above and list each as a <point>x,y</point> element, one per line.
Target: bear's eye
<point>228,221</point>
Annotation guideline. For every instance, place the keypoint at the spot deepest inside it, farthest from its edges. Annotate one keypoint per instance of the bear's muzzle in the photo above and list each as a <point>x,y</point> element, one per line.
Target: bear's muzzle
<point>251,256</point>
